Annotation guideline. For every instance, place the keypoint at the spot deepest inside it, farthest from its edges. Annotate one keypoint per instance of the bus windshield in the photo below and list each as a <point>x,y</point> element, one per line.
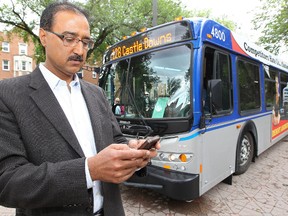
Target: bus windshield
<point>154,84</point>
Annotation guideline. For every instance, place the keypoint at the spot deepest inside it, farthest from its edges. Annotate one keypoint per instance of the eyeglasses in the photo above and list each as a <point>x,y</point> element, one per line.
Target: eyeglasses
<point>72,41</point>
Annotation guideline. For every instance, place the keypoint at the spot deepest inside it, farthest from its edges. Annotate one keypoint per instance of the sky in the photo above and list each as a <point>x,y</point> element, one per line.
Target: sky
<point>241,12</point>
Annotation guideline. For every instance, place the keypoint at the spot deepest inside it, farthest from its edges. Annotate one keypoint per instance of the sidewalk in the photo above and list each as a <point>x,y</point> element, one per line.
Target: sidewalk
<point>261,191</point>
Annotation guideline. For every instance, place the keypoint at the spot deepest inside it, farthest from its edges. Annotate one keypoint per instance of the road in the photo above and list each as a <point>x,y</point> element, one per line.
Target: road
<point>262,190</point>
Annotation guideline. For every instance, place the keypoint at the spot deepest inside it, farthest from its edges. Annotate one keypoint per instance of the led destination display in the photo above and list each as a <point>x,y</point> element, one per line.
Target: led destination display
<point>150,39</point>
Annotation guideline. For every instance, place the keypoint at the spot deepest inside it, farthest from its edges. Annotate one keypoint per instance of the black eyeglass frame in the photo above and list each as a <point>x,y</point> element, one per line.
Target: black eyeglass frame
<point>89,43</point>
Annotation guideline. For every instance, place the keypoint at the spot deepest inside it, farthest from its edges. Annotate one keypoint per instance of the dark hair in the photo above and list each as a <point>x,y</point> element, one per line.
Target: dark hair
<point>47,17</point>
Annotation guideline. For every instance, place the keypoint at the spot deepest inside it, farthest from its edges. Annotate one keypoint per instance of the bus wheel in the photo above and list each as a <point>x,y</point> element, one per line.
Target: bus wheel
<point>245,152</point>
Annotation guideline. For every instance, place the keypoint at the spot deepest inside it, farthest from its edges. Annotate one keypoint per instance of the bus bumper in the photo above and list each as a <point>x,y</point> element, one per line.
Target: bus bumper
<point>176,185</point>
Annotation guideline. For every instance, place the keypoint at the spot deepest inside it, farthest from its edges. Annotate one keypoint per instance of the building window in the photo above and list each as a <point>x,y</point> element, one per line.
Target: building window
<point>94,75</point>
<point>80,74</point>
<point>5,65</point>
<point>16,65</point>
<point>5,47</point>
<point>23,66</point>
<point>22,49</point>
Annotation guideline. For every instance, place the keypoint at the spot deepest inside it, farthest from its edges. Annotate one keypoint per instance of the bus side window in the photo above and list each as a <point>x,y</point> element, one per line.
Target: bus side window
<point>217,67</point>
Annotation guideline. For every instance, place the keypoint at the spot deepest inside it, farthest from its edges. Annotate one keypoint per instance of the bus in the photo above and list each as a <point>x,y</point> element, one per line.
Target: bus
<point>216,100</point>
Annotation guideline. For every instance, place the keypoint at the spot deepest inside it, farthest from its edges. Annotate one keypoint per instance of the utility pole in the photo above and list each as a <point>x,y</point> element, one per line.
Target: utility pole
<point>155,12</point>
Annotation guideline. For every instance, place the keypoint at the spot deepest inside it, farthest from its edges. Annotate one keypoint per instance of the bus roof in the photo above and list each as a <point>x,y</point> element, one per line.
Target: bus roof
<point>202,29</point>
<point>213,32</point>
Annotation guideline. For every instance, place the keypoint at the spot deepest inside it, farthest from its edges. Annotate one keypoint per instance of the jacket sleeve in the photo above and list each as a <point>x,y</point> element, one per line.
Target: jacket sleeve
<point>29,183</point>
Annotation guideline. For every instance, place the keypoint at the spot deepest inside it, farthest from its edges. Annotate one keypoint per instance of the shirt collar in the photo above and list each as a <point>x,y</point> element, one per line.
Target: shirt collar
<point>54,81</point>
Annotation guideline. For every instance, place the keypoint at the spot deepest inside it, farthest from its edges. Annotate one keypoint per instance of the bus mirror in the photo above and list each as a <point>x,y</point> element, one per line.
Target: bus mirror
<point>215,94</point>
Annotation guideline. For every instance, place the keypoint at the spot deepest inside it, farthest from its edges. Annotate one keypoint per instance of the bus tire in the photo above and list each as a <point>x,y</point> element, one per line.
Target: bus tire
<point>244,153</point>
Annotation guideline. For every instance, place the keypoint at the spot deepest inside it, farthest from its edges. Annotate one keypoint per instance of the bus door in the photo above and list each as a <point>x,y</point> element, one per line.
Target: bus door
<point>218,156</point>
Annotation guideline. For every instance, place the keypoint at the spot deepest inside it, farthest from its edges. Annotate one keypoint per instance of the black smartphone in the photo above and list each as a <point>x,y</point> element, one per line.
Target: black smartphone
<point>150,143</point>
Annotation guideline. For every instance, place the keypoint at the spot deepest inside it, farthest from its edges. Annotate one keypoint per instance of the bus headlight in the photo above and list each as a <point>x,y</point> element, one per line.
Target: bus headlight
<point>171,157</point>
<point>174,157</point>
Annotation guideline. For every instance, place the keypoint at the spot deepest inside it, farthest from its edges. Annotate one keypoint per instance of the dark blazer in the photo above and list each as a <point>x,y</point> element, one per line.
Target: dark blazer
<point>41,162</point>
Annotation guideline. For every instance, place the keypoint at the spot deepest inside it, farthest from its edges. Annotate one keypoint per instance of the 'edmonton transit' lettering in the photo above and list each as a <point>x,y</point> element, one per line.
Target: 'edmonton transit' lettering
<point>139,45</point>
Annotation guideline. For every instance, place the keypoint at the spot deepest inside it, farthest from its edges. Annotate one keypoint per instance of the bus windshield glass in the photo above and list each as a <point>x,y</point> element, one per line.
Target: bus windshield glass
<point>154,84</point>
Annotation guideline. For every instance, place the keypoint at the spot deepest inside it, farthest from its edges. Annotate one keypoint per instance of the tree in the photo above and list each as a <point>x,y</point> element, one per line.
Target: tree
<point>109,20</point>
<point>272,20</point>
<point>207,13</point>
<point>23,16</point>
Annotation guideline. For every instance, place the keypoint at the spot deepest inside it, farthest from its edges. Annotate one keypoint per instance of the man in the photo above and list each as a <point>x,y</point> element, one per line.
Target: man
<point>116,109</point>
<point>57,133</point>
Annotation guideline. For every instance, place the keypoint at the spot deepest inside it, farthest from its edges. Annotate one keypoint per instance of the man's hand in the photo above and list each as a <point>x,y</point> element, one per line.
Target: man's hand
<point>117,162</point>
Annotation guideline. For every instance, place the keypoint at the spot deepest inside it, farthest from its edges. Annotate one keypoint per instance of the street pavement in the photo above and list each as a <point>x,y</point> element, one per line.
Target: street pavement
<point>262,190</point>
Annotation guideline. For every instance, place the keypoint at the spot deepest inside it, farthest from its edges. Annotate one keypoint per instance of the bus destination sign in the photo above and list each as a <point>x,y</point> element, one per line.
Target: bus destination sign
<point>150,39</point>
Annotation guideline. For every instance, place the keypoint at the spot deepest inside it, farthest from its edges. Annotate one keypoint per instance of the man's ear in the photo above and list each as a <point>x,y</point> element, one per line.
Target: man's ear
<point>42,37</point>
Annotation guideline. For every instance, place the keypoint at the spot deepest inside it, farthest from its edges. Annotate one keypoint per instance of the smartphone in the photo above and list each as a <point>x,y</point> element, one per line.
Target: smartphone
<point>150,142</point>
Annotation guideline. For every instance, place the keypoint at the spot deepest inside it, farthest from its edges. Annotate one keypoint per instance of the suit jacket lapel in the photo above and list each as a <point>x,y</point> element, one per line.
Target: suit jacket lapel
<point>92,103</point>
<point>48,104</point>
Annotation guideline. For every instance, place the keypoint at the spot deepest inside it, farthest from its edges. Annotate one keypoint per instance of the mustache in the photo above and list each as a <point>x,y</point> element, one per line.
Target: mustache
<point>75,58</point>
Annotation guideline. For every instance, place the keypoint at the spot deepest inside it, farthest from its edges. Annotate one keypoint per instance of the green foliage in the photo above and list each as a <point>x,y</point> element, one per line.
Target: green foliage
<point>109,20</point>
<point>226,22</point>
<point>207,13</point>
<point>272,21</point>
<point>23,16</point>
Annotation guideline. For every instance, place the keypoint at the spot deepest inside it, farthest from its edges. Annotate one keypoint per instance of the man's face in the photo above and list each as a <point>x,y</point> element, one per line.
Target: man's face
<point>65,61</point>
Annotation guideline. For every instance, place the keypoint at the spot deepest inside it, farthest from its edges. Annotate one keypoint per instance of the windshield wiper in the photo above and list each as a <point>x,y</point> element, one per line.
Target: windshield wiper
<point>138,130</point>
<point>144,130</point>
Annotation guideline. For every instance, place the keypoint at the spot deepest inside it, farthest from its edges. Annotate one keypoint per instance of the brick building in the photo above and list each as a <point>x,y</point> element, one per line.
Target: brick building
<point>16,56</point>
<point>17,59</point>
<point>89,74</point>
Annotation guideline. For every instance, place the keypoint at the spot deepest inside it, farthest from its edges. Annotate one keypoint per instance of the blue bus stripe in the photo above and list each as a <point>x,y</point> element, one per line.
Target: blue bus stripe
<point>192,136</point>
